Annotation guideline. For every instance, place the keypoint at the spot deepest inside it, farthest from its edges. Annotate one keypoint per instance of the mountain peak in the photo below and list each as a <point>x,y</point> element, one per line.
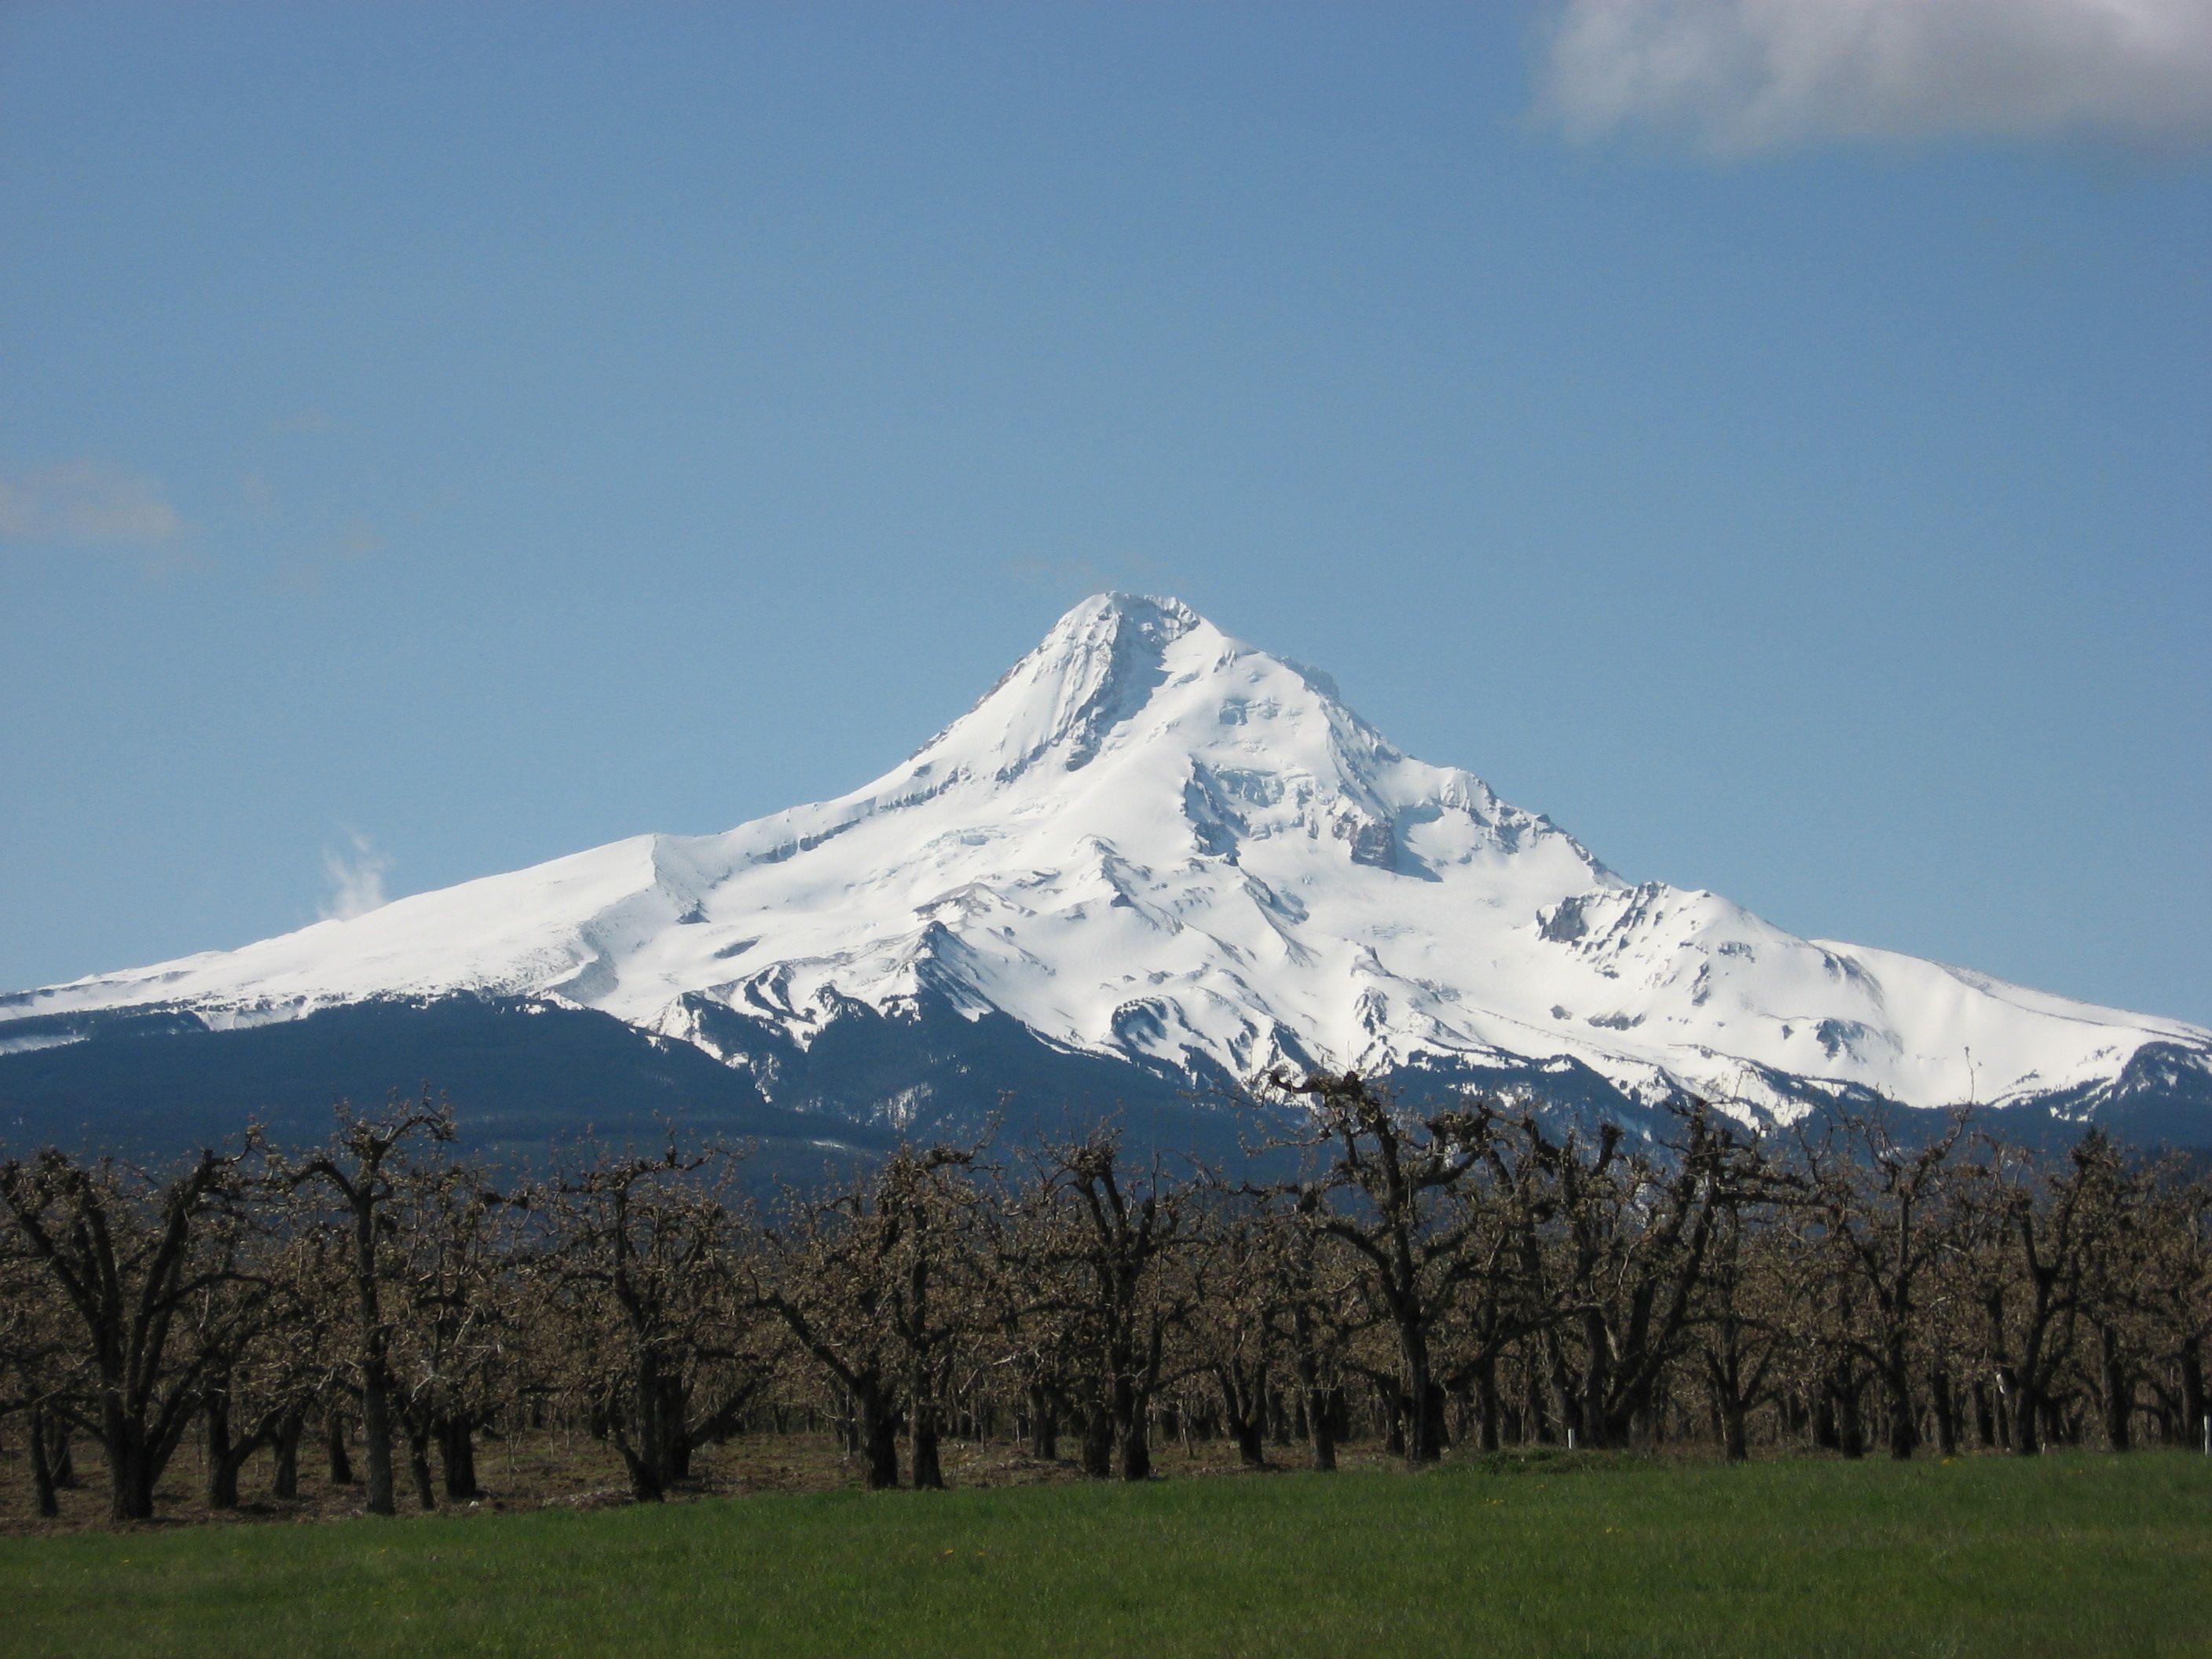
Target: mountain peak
<point>1152,840</point>
<point>1096,669</point>
<point>1167,618</point>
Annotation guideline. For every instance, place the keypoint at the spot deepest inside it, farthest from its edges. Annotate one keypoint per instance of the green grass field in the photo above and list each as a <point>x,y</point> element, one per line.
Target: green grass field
<point>2065,1555</point>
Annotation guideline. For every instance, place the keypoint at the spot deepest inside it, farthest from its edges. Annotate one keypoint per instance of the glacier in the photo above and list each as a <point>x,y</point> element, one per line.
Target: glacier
<point>1154,844</point>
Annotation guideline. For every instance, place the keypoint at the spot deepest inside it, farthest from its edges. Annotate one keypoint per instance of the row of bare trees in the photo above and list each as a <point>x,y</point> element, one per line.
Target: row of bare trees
<point>1474,1276</point>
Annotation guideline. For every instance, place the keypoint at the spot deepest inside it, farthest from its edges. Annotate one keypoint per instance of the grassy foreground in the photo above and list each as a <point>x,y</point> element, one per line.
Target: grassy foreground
<point>2064,1555</point>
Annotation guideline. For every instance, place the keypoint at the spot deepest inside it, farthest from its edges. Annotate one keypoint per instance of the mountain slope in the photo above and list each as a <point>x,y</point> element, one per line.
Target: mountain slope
<point>1151,842</point>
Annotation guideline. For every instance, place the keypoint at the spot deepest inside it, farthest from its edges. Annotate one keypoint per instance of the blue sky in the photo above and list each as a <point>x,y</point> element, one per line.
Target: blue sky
<point>434,440</point>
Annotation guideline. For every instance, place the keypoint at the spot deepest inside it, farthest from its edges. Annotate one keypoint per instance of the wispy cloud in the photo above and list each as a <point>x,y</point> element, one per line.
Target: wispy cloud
<point>86,504</point>
<point>1074,573</point>
<point>353,541</point>
<point>357,539</point>
<point>355,873</point>
<point>1743,76</point>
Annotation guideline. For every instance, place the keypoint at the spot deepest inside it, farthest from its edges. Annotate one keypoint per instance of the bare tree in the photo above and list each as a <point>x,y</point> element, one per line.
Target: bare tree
<point>1884,1213</point>
<point>128,1251</point>
<point>2021,1239</point>
<point>1747,1325</point>
<point>1240,1287</point>
<point>1391,1196</point>
<point>2172,1294</point>
<point>39,1369</point>
<point>655,1345</point>
<point>866,1282</point>
<point>1117,1230</point>
<point>1635,1228</point>
<point>362,1165</point>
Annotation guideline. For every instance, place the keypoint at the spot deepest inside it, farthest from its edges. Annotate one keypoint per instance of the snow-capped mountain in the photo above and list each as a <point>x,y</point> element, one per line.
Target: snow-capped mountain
<point>1152,844</point>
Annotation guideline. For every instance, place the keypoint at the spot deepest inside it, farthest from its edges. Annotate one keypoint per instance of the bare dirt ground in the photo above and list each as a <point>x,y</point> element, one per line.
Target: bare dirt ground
<point>546,1469</point>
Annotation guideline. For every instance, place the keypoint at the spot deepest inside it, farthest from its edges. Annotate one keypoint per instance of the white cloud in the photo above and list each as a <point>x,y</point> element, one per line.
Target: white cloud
<point>86,504</point>
<point>1739,75</point>
<point>356,872</point>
